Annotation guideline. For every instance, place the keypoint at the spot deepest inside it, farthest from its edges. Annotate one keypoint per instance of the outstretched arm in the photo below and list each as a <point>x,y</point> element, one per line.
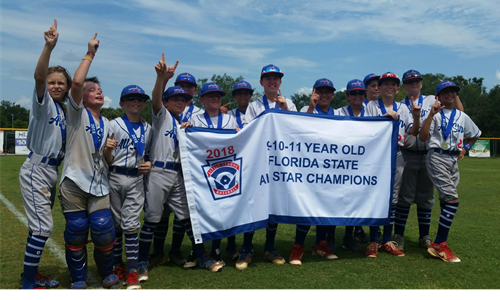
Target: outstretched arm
<point>42,66</point>
<point>82,71</point>
<point>161,71</point>
<point>425,131</point>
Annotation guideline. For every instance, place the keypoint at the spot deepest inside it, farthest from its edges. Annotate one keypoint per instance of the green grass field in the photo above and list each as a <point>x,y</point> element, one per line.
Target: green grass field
<point>474,238</point>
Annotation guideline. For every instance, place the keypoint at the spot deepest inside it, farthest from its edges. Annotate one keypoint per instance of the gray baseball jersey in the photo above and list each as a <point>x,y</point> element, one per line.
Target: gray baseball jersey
<point>126,154</point>
<point>344,111</point>
<point>257,107</point>
<point>374,109</point>
<point>412,143</point>
<point>85,166</point>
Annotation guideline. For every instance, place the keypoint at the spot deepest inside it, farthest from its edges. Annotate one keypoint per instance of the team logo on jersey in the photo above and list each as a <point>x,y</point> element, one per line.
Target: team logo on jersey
<point>223,176</point>
<point>93,130</point>
<point>58,121</point>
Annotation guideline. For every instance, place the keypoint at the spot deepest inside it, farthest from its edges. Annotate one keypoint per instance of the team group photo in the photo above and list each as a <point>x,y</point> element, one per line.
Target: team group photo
<point>365,180</point>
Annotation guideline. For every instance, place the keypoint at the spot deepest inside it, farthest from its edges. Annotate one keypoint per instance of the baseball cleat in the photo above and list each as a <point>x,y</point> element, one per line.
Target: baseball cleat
<point>133,280</point>
<point>233,253</point>
<point>425,242</point>
<point>322,250</point>
<point>192,262</point>
<point>348,243</point>
<point>79,285</point>
<point>142,271</point>
<point>244,259</point>
<point>210,264</point>
<point>274,257</point>
<point>217,257</point>
<point>391,247</point>
<point>176,258</point>
<point>372,249</point>
<point>442,252</point>
<point>155,260</point>
<point>297,254</point>
<point>110,280</point>
<point>400,241</point>
<point>361,237</point>
<point>121,273</point>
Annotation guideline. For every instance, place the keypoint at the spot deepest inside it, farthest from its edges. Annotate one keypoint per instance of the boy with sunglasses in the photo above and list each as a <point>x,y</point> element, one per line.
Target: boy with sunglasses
<point>129,140</point>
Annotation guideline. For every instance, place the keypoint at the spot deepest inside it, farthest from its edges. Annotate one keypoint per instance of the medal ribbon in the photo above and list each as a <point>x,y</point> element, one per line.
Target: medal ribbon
<point>382,106</point>
<point>138,141</point>
<point>209,122</point>
<point>61,126</point>
<point>366,101</point>
<point>238,118</point>
<point>188,114</point>
<point>174,129</point>
<point>95,133</point>
<point>420,101</point>
<point>449,126</point>
<point>351,113</point>
<point>266,103</point>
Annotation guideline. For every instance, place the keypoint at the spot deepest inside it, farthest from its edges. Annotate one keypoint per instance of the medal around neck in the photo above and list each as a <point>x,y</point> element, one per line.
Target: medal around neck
<point>445,146</point>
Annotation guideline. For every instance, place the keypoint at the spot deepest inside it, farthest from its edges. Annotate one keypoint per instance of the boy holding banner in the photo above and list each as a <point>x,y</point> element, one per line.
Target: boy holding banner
<point>387,106</point>
<point>165,183</point>
<point>127,167</point>
<point>321,97</point>
<point>446,130</point>
<point>270,79</point>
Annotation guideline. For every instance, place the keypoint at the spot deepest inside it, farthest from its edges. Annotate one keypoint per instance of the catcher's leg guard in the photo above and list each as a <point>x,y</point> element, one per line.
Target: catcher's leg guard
<point>75,237</point>
<point>102,231</point>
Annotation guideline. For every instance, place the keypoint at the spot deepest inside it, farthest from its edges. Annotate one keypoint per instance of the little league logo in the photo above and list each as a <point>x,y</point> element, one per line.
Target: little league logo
<point>223,176</point>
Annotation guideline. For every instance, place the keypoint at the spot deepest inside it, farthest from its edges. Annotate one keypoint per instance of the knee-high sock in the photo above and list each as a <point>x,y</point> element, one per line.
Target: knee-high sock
<point>387,235</point>
<point>270,236</point>
<point>131,250</point>
<point>301,233</point>
<point>348,232</point>
<point>321,233</point>
<point>118,250</point>
<point>177,235</point>
<point>145,239</point>
<point>400,220</point>
<point>247,241</point>
<point>448,211</point>
<point>424,221</point>
<point>34,249</point>
<point>374,234</point>
<point>160,235</point>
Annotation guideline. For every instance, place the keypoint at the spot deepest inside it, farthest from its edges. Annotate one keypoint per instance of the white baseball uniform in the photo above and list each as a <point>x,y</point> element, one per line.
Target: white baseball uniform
<point>227,122</point>
<point>442,164</point>
<point>239,117</point>
<point>84,165</point>
<point>377,108</point>
<point>165,183</point>
<point>189,112</point>
<point>344,111</point>
<point>258,106</point>
<point>331,111</point>
<point>39,173</point>
<point>126,185</point>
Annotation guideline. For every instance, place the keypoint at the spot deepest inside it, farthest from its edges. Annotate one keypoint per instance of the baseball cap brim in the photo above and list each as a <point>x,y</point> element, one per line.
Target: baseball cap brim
<point>455,87</point>
<point>138,95</point>
<point>242,88</point>
<point>327,86</point>
<point>209,92</point>
<point>389,78</point>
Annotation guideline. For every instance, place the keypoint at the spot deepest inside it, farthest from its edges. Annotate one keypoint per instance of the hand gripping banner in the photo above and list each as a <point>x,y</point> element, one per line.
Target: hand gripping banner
<point>289,167</point>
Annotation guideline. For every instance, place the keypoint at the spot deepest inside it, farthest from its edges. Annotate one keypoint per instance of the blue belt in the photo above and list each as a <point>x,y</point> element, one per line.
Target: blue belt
<point>169,166</point>
<point>124,171</point>
<point>453,153</point>
<point>49,161</point>
<point>420,152</point>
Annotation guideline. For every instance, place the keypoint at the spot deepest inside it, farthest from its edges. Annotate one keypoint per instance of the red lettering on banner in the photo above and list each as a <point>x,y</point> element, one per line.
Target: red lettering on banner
<point>228,192</point>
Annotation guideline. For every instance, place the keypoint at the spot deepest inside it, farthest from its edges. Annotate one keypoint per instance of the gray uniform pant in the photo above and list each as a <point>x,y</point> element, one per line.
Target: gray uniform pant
<point>398,177</point>
<point>443,172</point>
<point>416,187</point>
<point>38,182</point>
<point>126,196</point>
<point>164,186</point>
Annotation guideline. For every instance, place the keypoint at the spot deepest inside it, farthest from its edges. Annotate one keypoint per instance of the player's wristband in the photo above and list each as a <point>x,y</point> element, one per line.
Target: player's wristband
<point>87,57</point>
<point>467,146</point>
<point>91,54</point>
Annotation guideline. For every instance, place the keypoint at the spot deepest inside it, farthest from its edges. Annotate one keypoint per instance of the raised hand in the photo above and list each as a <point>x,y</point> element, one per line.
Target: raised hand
<point>93,44</point>
<point>111,143</point>
<point>161,67</point>
<point>436,107</point>
<point>223,108</point>
<point>281,101</point>
<point>51,35</point>
<point>314,99</point>
<point>415,110</point>
<point>170,69</point>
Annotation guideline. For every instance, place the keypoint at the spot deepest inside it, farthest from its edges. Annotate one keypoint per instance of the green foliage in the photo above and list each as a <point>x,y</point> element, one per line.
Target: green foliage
<point>479,104</point>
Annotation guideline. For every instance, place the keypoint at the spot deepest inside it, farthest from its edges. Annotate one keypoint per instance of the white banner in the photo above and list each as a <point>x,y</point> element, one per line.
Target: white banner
<point>289,167</point>
<point>21,143</point>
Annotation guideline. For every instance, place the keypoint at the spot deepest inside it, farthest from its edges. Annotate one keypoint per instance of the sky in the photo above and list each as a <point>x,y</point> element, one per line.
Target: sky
<point>339,40</point>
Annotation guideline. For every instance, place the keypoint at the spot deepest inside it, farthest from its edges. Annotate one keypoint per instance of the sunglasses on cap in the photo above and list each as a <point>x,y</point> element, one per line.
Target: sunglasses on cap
<point>271,69</point>
<point>357,92</point>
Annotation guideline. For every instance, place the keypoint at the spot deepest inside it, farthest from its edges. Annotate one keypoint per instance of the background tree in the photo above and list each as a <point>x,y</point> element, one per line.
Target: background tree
<point>21,115</point>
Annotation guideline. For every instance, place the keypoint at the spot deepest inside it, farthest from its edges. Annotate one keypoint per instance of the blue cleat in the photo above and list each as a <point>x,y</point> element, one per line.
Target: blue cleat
<point>110,280</point>
<point>79,285</point>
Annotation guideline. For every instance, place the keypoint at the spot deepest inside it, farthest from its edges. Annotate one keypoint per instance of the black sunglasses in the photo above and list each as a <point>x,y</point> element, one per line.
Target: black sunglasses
<point>354,93</point>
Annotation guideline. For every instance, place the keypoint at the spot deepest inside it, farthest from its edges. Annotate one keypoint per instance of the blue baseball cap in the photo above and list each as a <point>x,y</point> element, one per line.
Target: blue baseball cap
<point>411,74</point>
<point>355,85</point>
<point>242,85</point>
<point>185,77</point>
<point>446,85</point>
<point>134,90</point>
<point>387,76</point>
<point>175,91</point>
<point>211,87</point>
<point>271,69</point>
<point>324,82</point>
<point>370,77</point>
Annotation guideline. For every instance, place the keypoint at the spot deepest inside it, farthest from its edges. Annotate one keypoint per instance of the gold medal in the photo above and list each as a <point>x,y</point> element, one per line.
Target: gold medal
<point>176,154</point>
<point>141,161</point>
<point>445,146</point>
<point>96,157</point>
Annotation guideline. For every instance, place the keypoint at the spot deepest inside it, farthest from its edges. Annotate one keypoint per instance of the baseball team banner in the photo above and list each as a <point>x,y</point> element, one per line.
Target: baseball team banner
<point>289,167</point>
<point>481,148</point>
